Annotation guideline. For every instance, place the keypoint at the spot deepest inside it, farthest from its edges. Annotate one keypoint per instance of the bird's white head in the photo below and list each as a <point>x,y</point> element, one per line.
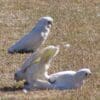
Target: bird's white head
<point>46,21</point>
<point>83,73</point>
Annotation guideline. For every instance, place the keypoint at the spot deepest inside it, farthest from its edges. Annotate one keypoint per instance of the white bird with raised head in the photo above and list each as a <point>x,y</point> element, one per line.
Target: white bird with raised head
<point>36,66</point>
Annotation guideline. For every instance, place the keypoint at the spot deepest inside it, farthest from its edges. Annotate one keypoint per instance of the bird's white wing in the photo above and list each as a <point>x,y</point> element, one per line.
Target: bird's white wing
<point>28,43</point>
<point>46,56</point>
<point>36,66</point>
<point>42,63</point>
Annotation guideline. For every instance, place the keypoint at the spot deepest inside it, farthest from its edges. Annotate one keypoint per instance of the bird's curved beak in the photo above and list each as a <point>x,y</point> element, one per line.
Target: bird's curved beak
<point>89,74</point>
<point>50,23</point>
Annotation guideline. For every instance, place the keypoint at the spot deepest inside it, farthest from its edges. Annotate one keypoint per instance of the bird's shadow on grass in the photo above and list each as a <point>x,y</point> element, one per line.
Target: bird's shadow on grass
<point>10,89</point>
<point>14,89</point>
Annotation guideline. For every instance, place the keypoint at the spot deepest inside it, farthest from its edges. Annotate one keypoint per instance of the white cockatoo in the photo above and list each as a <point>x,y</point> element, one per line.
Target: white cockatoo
<point>64,80</point>
<point>36,66</point>
<point>33,40</point>
<point>69,79</point>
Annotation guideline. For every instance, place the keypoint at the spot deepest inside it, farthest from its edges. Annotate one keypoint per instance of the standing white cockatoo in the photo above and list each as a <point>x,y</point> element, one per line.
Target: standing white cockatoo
<point>36,66</point>
<point>33,40</point>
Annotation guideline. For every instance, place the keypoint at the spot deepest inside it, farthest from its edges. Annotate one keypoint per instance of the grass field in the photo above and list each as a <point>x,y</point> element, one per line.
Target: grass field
<point>76,22</point>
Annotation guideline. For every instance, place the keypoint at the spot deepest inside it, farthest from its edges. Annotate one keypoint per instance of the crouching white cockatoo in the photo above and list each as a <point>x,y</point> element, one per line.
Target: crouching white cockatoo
<point>36,66</point>
<point>64,80</point>
<point>69,79</point>
<point>33,40</point>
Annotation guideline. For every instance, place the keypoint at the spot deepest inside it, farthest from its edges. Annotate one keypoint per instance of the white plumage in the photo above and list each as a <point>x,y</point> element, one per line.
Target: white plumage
<point>69,79</point>
<point>32,41</point>
<point>64,80</point>
<point>36,65</point>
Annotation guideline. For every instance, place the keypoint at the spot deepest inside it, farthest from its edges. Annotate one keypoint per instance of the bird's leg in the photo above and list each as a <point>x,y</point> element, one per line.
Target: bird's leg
<point>29,82</point>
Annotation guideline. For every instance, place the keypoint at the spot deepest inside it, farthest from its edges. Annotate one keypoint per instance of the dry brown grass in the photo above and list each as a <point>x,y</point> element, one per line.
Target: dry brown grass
<point>75,21</point>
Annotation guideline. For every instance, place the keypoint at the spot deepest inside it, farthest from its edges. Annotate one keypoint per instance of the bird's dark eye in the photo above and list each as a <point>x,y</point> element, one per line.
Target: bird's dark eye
<point>86,74</point>
<point>49,22</point>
